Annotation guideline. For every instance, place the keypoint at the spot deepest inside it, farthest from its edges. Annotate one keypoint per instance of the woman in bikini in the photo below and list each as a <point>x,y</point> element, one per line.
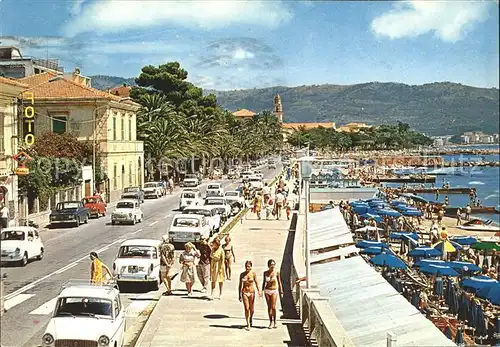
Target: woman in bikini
<point>246,291</point>
<point>271,286</point>
<point>229,257</point>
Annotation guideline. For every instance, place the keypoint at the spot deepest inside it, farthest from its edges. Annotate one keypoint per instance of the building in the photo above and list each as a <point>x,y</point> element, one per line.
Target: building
<point>10,93</point>
<point>473,137</point>
<point>64,105</point>
<point>353,127</point>
<point>122,91</point>
<point>244,114</point>
<point>14,65</point>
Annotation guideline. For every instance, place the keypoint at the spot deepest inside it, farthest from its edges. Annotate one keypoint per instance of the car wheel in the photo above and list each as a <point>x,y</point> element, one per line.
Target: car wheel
<point>40,257</point>
<point>113,222</point>
<point>77,222</point>
<point>156,285</point>
<point>86,220</point>
<point>24,261</point>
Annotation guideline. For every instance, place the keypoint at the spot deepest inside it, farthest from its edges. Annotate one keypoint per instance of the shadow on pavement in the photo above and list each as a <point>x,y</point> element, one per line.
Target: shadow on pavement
<point>297,335</point>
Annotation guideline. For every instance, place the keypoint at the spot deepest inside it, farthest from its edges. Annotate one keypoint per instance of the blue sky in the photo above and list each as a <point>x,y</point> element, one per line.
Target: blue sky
<point>251,44</point>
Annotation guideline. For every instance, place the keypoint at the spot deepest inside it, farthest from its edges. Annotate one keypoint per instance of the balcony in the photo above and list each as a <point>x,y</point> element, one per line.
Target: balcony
<point>52,64</point>
<point>121,147</point>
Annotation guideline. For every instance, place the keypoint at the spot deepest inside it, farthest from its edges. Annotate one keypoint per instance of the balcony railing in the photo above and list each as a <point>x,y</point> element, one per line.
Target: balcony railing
<point>52,64</point>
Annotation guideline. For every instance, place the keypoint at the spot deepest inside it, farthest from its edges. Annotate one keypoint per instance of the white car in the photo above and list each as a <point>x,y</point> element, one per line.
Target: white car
<point>189,199</point>
<point>236,200</point>
<point>138,260</point>
<point>188,228</point>
<point>190,182</point>
<point>215,189</point>
<point>20,244</point>
<point>127,211</point>
<point>86,315</point>
<point>211,214</point>
<point>153,190</point>
<point>221,204</point>
<point>255,182</point>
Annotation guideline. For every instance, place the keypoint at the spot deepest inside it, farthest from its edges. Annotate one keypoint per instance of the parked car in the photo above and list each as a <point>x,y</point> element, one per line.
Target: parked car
<point>189,199</point>
<point>133,193</point>
<point>20,244</point>
<point>86,315</point>
<point>69,212</point>
<point>221,204</point>
<point>153,190</point>
<point>127,211</point>
<point>138,261</point>
<point>188,228</point>
<point>190,182</point>
<point>215,189</point>
<point>236,200</point>
<point>255,182</point>
<point>96,205</point>
<point>211,214</point>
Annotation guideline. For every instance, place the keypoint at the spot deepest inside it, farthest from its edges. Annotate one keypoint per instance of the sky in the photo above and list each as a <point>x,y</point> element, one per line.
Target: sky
<point>253,44</point>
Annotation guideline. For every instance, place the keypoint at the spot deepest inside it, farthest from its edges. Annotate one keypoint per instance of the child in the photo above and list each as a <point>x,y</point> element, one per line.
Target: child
<point>288,210</point>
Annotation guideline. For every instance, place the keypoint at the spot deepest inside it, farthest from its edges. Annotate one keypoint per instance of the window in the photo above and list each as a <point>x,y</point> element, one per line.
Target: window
<point>2,134</point>
<point>114,128</point>
<point>122,129</point>
<point>130,173</point>
<point>114,177</point>
<point>59,124</point>
<point>130,129</point>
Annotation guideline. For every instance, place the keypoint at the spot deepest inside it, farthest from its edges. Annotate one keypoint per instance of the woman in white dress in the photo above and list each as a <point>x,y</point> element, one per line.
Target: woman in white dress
<point>187,259</point>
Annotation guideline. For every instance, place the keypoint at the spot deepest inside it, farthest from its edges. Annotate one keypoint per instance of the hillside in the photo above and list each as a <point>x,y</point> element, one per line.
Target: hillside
<point>436,108</point>
<point>106,82</point>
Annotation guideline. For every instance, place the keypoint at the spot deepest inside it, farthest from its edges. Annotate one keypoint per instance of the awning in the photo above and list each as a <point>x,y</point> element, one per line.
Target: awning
<point>328,229</point>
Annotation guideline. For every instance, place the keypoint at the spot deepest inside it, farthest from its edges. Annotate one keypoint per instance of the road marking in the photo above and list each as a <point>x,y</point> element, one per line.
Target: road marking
<point>137,231</point>
<point>8,304</point>
<point>153,223</point>
<point>67,267</point>
<point>46,308</point>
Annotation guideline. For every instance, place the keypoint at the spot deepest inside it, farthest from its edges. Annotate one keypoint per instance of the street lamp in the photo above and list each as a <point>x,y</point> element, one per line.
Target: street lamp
<point>306,174</point>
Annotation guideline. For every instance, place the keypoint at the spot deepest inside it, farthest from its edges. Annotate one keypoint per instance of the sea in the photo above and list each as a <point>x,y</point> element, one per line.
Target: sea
<point>486,180</point>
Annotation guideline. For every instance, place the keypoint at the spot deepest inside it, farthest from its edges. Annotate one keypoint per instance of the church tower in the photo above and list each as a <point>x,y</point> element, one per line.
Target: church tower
<point>278,108</point>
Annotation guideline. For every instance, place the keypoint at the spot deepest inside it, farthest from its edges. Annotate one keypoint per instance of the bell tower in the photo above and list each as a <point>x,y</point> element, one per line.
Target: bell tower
<point>278,108</point>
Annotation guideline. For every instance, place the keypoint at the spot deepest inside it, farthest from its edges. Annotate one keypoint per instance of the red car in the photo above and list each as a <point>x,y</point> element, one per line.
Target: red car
<point>96,205</point>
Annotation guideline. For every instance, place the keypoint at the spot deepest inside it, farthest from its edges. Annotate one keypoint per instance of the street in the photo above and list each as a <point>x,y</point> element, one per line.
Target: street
<point>31,292</point>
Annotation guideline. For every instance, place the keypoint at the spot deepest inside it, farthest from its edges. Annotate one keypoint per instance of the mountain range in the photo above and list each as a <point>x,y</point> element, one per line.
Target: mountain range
<point>441,108</point>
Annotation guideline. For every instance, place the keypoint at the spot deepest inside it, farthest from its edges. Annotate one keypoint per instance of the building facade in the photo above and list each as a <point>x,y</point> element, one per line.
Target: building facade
<point>14,65</point>
<point>10,93</point>
<point>109,122</point>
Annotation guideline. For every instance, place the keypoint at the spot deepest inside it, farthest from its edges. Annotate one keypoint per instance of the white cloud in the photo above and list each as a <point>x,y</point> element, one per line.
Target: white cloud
<point>115,16</point>
<point>240,54</point>
<point>448,20</point>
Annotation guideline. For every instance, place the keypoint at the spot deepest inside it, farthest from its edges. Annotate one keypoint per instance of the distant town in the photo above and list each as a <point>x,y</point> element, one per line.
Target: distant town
<point>467,138</point>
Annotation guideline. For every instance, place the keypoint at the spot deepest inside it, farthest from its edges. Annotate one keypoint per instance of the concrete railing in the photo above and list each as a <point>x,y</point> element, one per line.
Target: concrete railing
<point>318,319</point>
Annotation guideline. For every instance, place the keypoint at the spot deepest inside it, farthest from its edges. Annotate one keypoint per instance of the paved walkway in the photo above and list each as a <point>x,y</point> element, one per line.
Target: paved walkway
<point>180,321</point>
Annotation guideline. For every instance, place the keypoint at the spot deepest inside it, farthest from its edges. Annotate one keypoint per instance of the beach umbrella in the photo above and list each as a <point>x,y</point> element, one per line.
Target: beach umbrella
<point>398,203</point>
<point>369,228</point>
<point>411,213</point>
<point>388,260</point>
<point>371,250</point>
<point>377,218</point>
<point>425,262</point>
<point>463,311</point>
<point>447,332</point>
<point>464,266</point>
<point>471,316</point>
<point>424,252</point>
<point>464,240</point>
<point>481,328</point>
<point>478,282</point>
<point>387,212</point>
<point>367,244</point>
<point>459,337</point>
<point>399,235</point>
<point>415,299</point>
<point>447,246</point>
<point>438,285</point>
<point>434,269</point>
<point>486,246</point>
<point>491,293</point>
<point>453,303</point>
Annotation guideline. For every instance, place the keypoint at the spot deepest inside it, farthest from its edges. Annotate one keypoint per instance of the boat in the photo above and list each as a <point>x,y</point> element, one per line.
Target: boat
<point>479,225</point>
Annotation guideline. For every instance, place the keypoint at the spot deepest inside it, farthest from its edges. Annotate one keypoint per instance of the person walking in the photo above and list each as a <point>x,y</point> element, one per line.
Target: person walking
<point>167,260</point>
<point>203,267</point>
<point>459,216</point>
<point>246,292</point>
<point>229,257</point>
<point>468,211</point>
<point>271,286</point>
<point>279,201</point>
<point>4,217</point>
<point>187,259</point>
<point>217,272</point>
<point>97,275</point>
<point>257,205</point>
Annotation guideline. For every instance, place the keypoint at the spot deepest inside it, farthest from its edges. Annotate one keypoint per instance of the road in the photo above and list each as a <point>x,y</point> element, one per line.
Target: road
<point>31,292</point>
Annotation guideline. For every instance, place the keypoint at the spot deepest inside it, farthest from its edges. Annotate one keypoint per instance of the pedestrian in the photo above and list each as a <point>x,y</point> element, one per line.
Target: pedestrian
<point>246,292</point>
<point>167,260</point>
<point>468,210</point>
<point>257,205</point>
<point>279,200</point>
<point>97,277</point>
<point>217,273</point>
<point>440,216</point>
<point>459,216</point>
<point>4,217</point>
<point>288,211</point>
<point>187,259</point>
<point>269,208</point>
<point>271,286</point>
<point>229,257</point>
<point>266,192</point>
<point>171,185</point>
<point>203,267</point>
<point>446,201</point>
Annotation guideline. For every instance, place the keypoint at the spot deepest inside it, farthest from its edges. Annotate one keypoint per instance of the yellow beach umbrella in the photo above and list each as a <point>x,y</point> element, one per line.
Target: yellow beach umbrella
<point>445,246</point>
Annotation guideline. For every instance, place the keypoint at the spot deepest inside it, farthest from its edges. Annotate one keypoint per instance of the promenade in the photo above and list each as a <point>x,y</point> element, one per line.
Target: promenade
<point>181,321</point>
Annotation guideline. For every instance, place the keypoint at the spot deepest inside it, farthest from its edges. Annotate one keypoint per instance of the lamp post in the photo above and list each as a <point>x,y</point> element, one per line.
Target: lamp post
<point>306,173</point>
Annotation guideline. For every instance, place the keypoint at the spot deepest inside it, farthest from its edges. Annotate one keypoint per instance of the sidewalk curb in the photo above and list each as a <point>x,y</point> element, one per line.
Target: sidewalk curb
<point>175,282</point>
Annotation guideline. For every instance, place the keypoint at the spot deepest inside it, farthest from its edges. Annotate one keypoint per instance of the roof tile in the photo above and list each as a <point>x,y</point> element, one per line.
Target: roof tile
<point>12,82</point>
<point>244,113</point>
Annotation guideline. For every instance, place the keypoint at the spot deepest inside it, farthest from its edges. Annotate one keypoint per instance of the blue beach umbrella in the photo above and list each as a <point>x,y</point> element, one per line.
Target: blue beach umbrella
<point>438,285</point>
<point>371,250</point>
<point>388,260</point>
<point>412,213</point>
<point>463,311</point>
<point>449,246</point>
<point>491,293</point>
<point>387,212</point>
<point>478,282</point>
<point>399,235</point>
<point>434,269</point>
<point>367,244</point>
<point>481,328</point>
<point>459,337</point>
<point>464,266</point>
<point>424,252</point>
<point>425,262</point>
<point>453,303</point>
<point>376,217</point>
<point>464,240</point>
